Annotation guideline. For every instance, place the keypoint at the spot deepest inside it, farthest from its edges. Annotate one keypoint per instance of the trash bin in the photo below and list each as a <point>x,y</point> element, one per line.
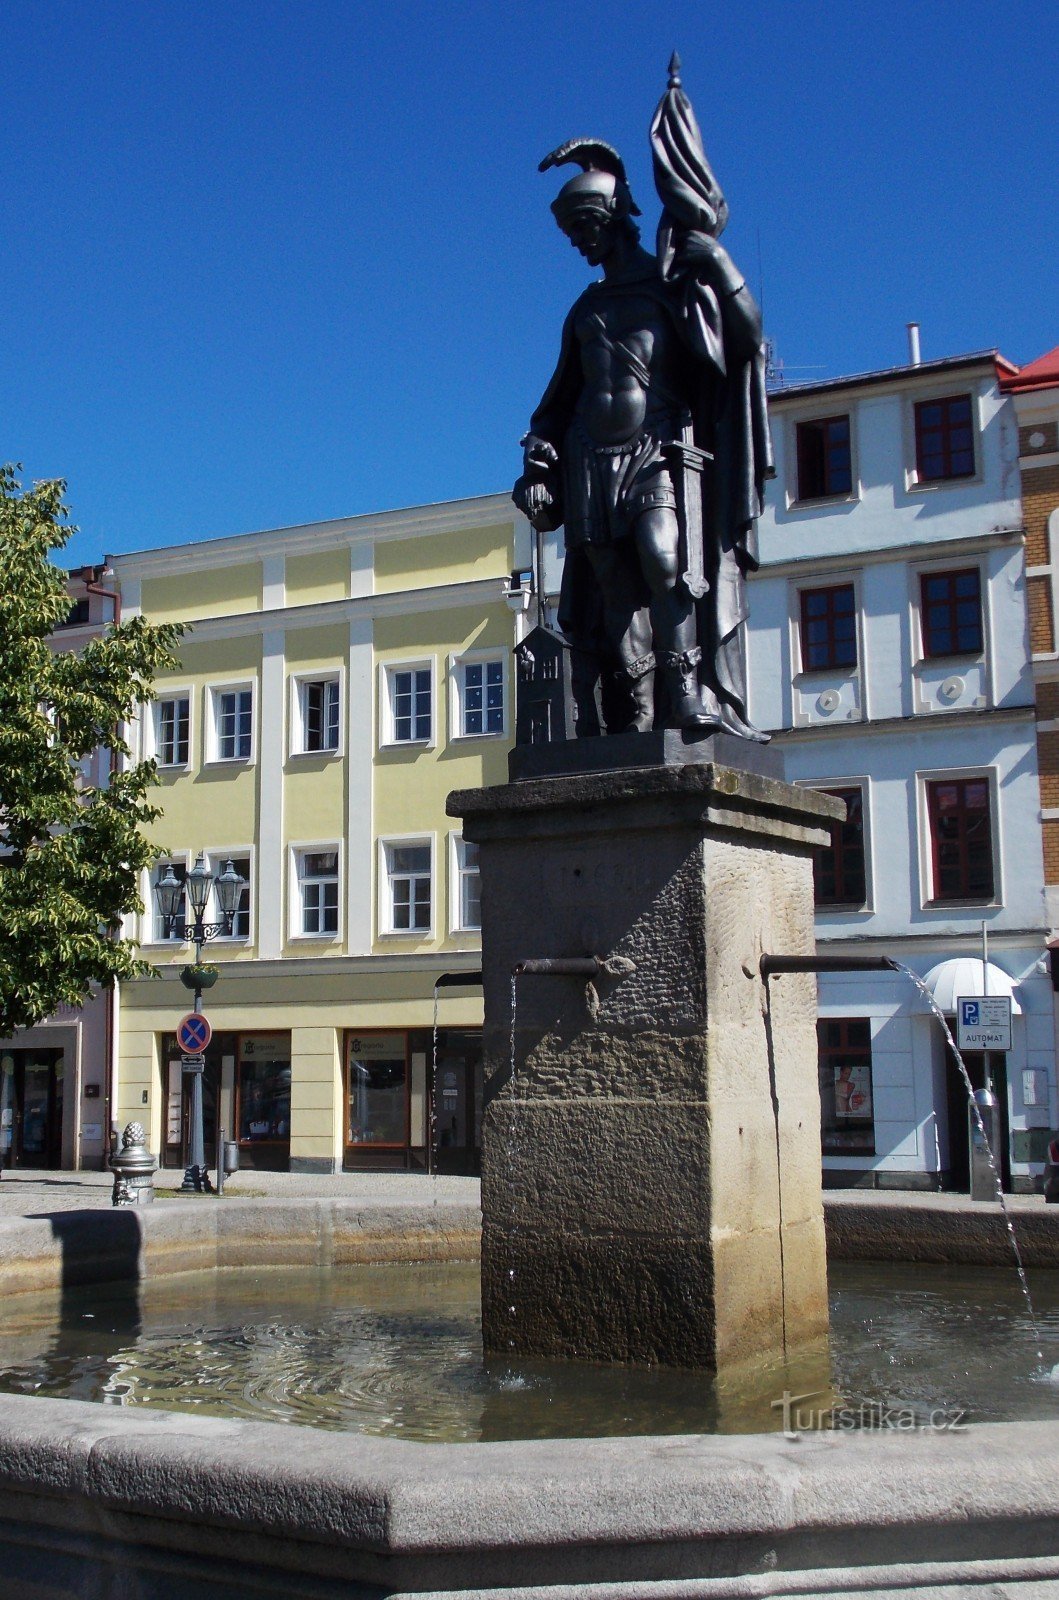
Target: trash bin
<point>231,1156</point>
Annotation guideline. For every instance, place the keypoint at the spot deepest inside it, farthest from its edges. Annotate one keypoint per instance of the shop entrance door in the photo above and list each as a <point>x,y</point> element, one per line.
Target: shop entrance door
<point>458,1103</point>
<point>177,1085</point>
<point>31,1108</point>
<point>982,1068</point>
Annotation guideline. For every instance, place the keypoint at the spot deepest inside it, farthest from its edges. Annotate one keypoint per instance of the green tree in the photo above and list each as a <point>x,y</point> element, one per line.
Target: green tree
<point>71,854</point>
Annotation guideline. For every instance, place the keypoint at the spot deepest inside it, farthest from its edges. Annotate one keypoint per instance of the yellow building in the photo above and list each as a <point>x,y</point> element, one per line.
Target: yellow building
<point>336,682</point>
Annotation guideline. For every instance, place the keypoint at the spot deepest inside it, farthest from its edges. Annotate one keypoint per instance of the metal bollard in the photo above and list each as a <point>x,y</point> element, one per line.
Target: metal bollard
<point>134,1168</point>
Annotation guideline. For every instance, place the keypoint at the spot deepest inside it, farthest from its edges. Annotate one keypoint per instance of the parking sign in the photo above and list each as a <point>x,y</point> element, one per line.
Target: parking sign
<point>983,1022</point>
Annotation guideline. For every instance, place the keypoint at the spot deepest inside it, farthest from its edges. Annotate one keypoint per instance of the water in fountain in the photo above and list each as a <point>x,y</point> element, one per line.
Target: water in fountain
<point>976,1113</point>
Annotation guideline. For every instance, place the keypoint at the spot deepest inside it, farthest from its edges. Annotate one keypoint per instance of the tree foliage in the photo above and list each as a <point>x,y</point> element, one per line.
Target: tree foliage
<point>71,854</point>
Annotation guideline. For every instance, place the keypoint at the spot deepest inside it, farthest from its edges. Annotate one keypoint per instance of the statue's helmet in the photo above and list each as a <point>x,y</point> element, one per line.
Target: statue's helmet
<point>601,188</point>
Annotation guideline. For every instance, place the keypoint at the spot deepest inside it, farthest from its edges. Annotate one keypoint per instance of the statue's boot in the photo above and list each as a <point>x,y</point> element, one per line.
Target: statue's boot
<point>687,707</point>
<point>637,682</point>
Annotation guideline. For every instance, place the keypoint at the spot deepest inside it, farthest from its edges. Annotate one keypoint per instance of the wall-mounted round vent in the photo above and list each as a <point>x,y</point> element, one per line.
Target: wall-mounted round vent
<point>951,689</point>
<point>828,702</point>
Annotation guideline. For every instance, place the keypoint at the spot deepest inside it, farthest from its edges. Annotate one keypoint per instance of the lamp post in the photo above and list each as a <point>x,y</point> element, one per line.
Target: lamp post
<point>169,895</point>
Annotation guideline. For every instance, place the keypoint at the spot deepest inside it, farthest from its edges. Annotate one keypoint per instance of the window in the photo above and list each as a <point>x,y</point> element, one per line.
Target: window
<point>233,724</point>
<point>468,887</point>
<point>172,731</point>
<point>319,700</point>
<point>961,839</point>
<point>944,439</point>
<point>219,860</point>
<point>847,1113</point>
<point>408,886</point>
<point>838,868</point>
<point>825,465</point>
<point>180,872</point>
<point>77,615</point>
<point>377,1102</point>
<point>264,1077</point>
<point>829,628</point>
<point>480,696</point>
<point>951,612</point>
<point>318,891</point>
<point>408,704</point>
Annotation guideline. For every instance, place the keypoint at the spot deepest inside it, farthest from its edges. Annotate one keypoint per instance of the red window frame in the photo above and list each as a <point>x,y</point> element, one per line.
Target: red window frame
<point>950,622</point>
<point>944,438</point>
<point>839,875</point>
<point>825,457</point>
<point>827,643</point>
<point>959,812</point>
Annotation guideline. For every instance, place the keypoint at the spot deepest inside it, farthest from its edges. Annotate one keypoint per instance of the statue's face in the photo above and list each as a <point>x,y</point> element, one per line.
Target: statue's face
<point>592,234</point>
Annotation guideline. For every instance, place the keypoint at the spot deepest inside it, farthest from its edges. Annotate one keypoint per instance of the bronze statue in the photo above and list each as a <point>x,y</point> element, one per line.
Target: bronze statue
<point>651,443</point>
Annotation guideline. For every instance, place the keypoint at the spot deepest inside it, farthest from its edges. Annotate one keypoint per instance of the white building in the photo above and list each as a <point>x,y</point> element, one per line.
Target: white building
<point>889,652</point>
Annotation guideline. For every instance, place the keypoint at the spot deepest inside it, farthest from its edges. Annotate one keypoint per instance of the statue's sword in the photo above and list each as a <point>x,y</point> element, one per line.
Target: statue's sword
<point>687,462</point>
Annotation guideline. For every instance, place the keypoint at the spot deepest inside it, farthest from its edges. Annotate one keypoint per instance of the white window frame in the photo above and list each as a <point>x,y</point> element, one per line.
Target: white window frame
<point>941,391</point>
<point>299,684</point>
<point>820,413</point>
<point>154,728</point>
<point>214,691</point>
<point>951,563</point>
<point>385,895</point>
<point>151,918</point>
<point>863,782</point>
<point>217,860</point>
<point>298,851</point>
<point>808,584</point>
<point>388,671</point>
<point>927,902</point>
<point>457,689</point>
<point>457,873</point>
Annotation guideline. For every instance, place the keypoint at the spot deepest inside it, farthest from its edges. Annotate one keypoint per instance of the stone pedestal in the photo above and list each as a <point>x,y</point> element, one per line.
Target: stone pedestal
<point>651,1168</point>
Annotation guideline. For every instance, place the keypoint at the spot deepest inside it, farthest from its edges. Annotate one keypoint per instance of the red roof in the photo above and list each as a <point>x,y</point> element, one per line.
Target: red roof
<point>1040,374</point>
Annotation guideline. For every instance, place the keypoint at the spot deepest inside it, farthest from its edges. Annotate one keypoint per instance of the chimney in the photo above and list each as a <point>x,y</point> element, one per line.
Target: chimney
<point>913,343</point>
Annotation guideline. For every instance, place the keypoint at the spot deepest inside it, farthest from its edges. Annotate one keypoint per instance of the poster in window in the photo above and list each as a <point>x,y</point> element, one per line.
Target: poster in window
<point>853,1093</point>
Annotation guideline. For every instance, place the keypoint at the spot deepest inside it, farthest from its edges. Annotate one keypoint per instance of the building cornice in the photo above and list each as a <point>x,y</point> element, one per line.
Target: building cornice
<point>990,362</point>
<point>850,556</point>
<point>447,516</point>
<point>875,727</point>
<point>254,969</point>
<point>323,613</point>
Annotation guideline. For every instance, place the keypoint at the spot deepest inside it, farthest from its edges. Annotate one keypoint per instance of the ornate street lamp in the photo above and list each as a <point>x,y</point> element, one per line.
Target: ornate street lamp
<point>170,895</point>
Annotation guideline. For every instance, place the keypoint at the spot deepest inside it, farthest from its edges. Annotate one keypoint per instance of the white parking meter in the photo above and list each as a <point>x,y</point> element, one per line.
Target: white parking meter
<point>984,1175</point>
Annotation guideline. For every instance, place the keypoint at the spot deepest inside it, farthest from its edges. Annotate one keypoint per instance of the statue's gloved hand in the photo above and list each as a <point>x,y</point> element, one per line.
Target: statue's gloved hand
<point>539,457</point>
<point>701,254</point>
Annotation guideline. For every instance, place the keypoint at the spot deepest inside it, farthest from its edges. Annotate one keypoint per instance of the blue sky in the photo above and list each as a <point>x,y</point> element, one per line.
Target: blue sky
<point>268,262</point>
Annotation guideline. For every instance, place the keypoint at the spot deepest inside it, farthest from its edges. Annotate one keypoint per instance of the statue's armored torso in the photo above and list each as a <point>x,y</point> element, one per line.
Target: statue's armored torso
<point>630,360</point>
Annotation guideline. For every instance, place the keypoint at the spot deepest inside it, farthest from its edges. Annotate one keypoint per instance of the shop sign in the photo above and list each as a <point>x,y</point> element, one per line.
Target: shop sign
<point>983,1022</point>
<point>265,1046</point>
<point>377,1047</point>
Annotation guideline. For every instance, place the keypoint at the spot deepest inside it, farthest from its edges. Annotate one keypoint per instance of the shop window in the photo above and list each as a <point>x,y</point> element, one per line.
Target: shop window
<point>233,723</point>
<point>377,1089</point>
<point>468,887</point>
<point>159,932</point>
<point>825,463</point>
<point>317,886</point>
<point>318,715</point>
<point>480,696</point>
<point>172,731</point>
<point>829,628</point>
<point>839,877</point>
<point>847,1112</point>
<point>408,886</point>
<point>961,839</point>
<point>264,1078</point>
<point>408,704</point>
<point>944,439</point>
<point>950,611</point>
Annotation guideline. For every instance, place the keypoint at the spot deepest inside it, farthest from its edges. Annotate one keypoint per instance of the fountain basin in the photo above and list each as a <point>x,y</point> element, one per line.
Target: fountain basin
<point>104,1502</point>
